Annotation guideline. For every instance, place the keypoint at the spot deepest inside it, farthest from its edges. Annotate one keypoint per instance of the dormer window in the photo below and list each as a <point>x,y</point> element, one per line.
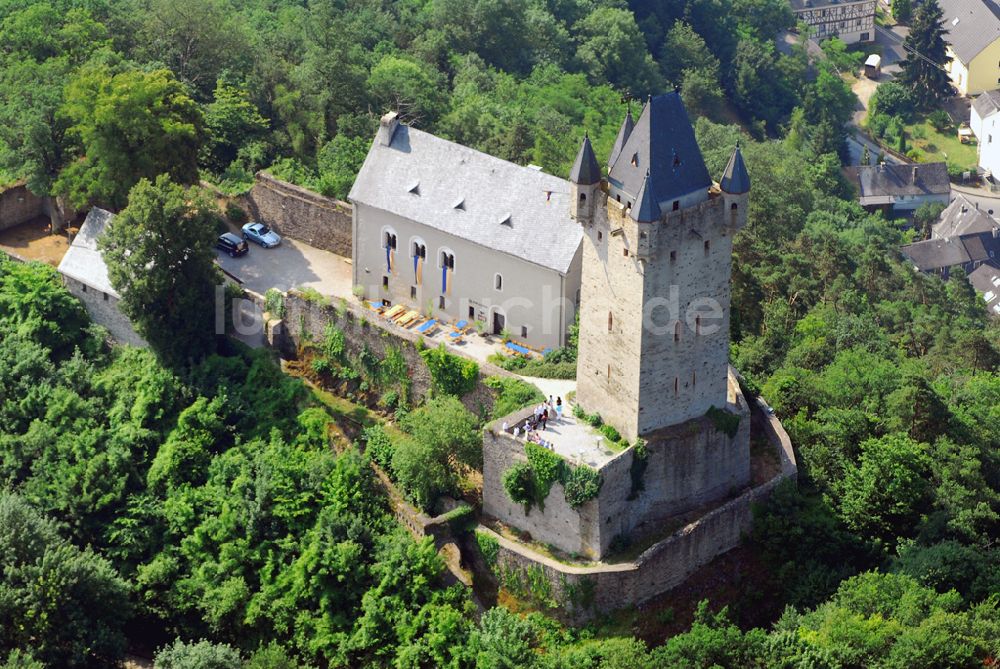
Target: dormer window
<point>415,188</point>
<point>460,205</point>
<point>505,221</point>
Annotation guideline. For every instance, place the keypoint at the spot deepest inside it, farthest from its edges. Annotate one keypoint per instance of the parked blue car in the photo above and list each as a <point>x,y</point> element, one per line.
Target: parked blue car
<point>260,233</point>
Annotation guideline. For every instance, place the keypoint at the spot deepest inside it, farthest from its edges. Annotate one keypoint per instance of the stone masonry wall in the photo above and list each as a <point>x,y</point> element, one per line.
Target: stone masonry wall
<point>103,309</point>
<point>301,214</point>
<point>19,205</point>
<point>364,328</point>
<point>687,466</point>
<point>578,593</point>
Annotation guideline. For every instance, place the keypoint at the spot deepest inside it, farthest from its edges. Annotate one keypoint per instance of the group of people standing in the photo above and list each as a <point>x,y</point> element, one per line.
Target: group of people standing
<point>549,410</point>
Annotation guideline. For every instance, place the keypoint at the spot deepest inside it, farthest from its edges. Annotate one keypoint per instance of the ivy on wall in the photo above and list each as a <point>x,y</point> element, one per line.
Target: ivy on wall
<point>637,470</point>
<point>725,422</point>
<point>450,374</point>
<point>529,483</point>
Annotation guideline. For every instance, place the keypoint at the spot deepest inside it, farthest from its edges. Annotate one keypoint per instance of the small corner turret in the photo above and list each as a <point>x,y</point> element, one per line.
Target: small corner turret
<point>735,187</point>
<point>585,181</point>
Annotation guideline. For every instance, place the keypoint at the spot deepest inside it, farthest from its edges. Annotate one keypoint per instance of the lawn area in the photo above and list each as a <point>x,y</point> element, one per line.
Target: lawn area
<point>935,146</point>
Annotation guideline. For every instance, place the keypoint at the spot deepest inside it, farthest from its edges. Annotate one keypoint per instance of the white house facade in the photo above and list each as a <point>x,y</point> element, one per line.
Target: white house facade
<point>849,21</point>
<point>86,276</point>
<point>461,235</point>
<point>983,123</point>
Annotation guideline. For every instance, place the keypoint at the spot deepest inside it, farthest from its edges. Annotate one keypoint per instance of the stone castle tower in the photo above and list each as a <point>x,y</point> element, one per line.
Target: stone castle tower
<point>655,296</point>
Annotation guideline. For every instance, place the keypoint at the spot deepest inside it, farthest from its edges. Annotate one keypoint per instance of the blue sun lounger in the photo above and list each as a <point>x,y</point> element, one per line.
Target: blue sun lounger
<point>427,326</point>
<point>517,348</point>
<point>461,325</point>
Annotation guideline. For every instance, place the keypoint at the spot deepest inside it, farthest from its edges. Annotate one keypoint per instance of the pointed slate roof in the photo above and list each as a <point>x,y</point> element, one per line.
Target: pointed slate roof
<point>623,132</point>
<point>662,144</point>
<point>586,171</point>
<point>646,209</point>
<point>735,179</point>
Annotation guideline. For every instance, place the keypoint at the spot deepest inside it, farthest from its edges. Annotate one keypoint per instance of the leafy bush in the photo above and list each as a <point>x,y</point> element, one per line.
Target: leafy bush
<point>333,343</point>
<point>450,374</point>
<point>310,294</point>
<point>546,466</point>
<point>559,368</point>
<point>512,394</point>
<point>321,366</point>
<point>274,302</point>
<point>197,655</point>
<point>610,433</point>
<point>378,445</point>
<point>519,482</point>
<point>939,120</point>
<point>235,213</point>
<point>489,547</point>
<point>460,519</point>
<point>582,485</point>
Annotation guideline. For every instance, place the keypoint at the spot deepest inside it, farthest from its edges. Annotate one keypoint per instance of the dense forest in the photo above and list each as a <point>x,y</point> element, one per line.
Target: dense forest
<point>196,506</point>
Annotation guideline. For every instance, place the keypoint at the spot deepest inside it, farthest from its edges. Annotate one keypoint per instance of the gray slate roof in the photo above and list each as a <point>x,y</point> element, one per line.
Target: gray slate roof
<point>540,231</point>
<point>83,261</point>
<point>735,179</point>
<point>628,123</point>
<point>646,209</point>
<point>934,254</point>
<point>962,217</point>
<point>985,279</point>
<point>898,180</point>
<point>663,144</point>
<point>987,103</point>
<point>586,171</point>
<point>977,26</point>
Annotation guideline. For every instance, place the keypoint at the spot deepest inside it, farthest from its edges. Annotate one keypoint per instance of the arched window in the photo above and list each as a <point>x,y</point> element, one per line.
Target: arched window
<point>708,246</point>
<point>611,321</point>
<point>447,259</point>
<point>389,239</point>
<point>733,206</point>
<point>677,331</point>
<point>418,249</point>
<point>498,281</point>
<point>583,197</point>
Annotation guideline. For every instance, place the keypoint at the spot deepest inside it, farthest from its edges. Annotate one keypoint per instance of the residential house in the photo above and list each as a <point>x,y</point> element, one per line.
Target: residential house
<point>986,280</point>
<point>942,256</point>
<point>973,37</point>
<point>86,276</point>
<point>851,21</point>
<point>901,188</point>
<point>983,123</point>
<point>963,217</point>
<point>463,235</point>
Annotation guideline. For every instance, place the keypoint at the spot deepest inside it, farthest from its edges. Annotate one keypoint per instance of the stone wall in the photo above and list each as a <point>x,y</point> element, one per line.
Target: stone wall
<point>686,467</point>
<point>19,205</point>
<point>301,214</point>
<point>306,320</point>
<point>103,310</point>
<point>579,592</point>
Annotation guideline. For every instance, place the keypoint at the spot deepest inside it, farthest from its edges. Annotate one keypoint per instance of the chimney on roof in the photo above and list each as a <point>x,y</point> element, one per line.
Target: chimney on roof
<point>387,128</point>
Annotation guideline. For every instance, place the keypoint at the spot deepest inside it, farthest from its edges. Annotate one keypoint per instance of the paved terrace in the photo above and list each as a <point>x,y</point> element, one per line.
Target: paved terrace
<point>571,438</point>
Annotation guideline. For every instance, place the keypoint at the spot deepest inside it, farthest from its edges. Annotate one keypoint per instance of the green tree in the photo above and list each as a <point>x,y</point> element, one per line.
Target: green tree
<point>612,49</point>
<point>902,10</point>
<point>924,66</point>
<point>232,122</point>
<point>197,655</point>
<point>34,303</point>
<point>131,125</point>
<point>413,89</point>
<point>160,258</point>
<point>444,439</point>
<point>68,605</point>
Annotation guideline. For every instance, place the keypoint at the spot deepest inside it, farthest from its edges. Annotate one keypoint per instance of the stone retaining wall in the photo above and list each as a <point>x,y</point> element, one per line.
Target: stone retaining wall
<point>19,205</point>
<point>578,593</point>
<point>306,320</point>
<point>301,214</point>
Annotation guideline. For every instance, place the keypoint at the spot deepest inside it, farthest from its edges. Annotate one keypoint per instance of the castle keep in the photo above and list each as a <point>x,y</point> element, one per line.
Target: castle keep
<point>653,347</point>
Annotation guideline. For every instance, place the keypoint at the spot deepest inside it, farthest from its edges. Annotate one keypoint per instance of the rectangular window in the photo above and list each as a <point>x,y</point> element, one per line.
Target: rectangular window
<point>673,256</point>
<point>677,205</point>
<point>385,281</point>
<point>441,302</point>
<point>708,246</point>
<point>625,252</point>
<point>472,312</point>
<point>413,292</point>
<point>600,235</point>
<point>105,296</point>
<point>84,286</point>
<point>524,331</point>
